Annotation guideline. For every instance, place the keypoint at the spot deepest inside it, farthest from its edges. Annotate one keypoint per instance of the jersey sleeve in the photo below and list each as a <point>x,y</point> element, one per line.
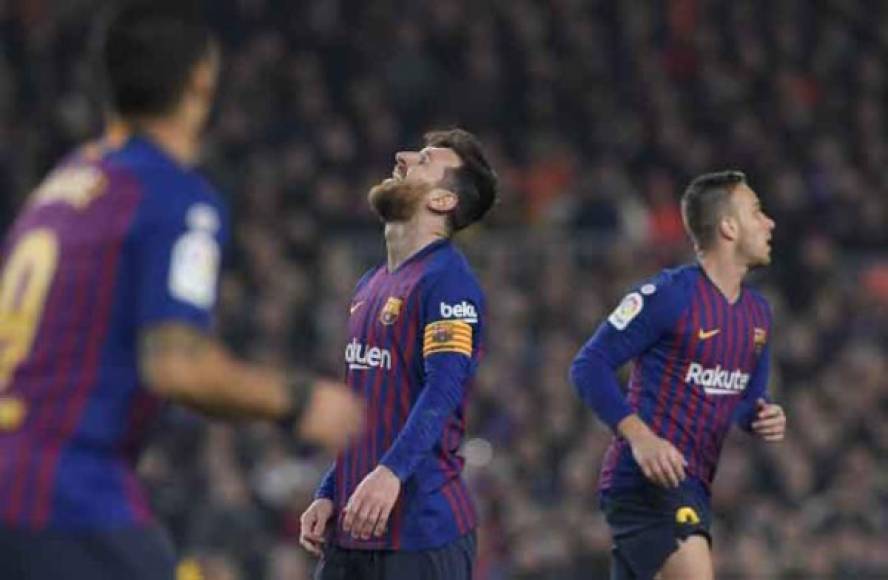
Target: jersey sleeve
<point>642,317</point>
<point>452,316</point>
<point>327,488</point>
<point>179,254</point>
<point>746,411</point>
<point>451,319</point>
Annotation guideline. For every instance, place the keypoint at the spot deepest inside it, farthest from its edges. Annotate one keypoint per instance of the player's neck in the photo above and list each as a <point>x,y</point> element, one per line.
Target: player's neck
<point>727,274</point>
<point>403,239</point>
<point>175,140</point>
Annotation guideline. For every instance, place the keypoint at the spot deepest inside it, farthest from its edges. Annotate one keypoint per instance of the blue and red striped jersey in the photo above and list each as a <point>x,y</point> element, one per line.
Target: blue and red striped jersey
<point>114,239</point>
<point>699,364</point>
<point>415,337</point>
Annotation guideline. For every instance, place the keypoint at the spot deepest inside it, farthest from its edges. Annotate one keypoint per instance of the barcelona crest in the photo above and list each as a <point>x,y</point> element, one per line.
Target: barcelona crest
<point>390,311</point>
<point>442,334</point>
<point>759,338</point>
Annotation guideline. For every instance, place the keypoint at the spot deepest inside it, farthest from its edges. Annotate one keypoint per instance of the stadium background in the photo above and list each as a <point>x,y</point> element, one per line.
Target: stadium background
<point>597,114</point>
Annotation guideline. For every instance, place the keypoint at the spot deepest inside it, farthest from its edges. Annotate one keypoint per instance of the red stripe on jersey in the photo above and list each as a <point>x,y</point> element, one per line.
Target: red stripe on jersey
<point>679,387</point>
<point>616,448</point>
<point>368,459</point>
<point>462,494</point>
<point>725,403</point>
<point>690,391</point>
<point>718,402</point>
<point>135,497</point>
<point>697,466</point>
<point>141,412</point>
<point>88,382</point>
<point>454,498</point>
<point>52,393</point>
<point>447,491</point>
<point>14,473</point>
<point>635,385</point>
<point>665,382</point>
<point>355,454</point>
<point>404,396</point>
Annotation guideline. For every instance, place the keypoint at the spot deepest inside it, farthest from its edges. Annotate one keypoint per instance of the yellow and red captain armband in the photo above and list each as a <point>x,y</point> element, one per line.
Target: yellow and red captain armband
<point>447,336</point>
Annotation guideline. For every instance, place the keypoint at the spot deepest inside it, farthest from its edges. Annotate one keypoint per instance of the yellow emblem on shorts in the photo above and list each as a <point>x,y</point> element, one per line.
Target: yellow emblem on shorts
<point>189,569</point>
<point>687,515</point>
<point>12,413</point>
<point>391,310</point>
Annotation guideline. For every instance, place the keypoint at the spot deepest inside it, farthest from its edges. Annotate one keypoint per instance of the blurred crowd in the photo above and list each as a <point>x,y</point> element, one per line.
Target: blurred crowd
<point>596,114</point>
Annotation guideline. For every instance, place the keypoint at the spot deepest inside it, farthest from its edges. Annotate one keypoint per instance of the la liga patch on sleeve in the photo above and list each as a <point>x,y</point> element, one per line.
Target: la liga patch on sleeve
<point>628,309</point>
<point>447,336</point>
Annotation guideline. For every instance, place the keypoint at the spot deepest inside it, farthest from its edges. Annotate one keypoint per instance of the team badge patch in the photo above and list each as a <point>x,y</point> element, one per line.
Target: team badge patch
<point>626,311</point>
<point>447,336</point>
<point>759,338</point>
<point>390,311</point>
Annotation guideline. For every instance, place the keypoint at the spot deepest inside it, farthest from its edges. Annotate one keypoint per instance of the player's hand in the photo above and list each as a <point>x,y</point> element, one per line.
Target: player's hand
<point>659,460</point>
<point>367,511</point>
<point>332,416</point>
<point>770,421</point>
<point>313,522</point>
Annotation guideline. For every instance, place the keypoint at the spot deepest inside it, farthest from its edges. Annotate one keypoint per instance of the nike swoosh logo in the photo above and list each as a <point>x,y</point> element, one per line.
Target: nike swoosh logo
<point>355,306</point>
<point>704,334</point>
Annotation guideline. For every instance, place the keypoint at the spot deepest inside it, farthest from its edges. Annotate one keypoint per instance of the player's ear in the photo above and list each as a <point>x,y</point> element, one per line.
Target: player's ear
<point>442,201</point>
<point>201,87</point>
<point>728,227</point>
<point>205,76</point>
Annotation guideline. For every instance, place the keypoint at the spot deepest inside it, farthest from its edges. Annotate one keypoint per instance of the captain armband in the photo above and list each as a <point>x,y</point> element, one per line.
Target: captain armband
<point>447,336</point>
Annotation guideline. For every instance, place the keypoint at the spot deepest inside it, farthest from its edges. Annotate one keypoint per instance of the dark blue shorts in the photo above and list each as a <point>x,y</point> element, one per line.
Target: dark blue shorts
<point>451,562</point>
<point>124,554</point>
<point>647,522</point>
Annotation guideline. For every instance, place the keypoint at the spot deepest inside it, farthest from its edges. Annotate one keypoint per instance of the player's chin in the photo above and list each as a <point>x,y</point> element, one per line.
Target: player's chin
<point>762,260</point>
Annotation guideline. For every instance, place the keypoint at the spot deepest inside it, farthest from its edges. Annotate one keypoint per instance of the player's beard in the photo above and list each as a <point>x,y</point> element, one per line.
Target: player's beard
<point>395,200</point>
<point>755,257</point>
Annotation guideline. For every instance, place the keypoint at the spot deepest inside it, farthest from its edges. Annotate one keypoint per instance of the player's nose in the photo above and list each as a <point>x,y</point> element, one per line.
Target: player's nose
<point>405,158</point>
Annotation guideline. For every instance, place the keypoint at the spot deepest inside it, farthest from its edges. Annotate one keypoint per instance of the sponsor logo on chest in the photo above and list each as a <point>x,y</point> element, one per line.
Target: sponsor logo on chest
<point>361,357</point>
<point>717,381</point>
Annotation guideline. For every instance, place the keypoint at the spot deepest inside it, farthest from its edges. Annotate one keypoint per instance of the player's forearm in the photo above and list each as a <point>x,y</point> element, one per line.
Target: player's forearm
<point>196,371</point>
<point>596,383</point>
<point>444,391</point>
<point>633,429</point>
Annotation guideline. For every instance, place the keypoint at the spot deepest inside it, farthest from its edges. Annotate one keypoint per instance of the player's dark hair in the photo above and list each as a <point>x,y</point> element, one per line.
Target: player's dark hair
<point>705,202</point>
<point>145,52</point>
<point>474,182</point>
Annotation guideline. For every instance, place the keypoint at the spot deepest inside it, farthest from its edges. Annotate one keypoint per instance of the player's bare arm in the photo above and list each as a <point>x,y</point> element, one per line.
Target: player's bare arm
<point>183,364</point>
